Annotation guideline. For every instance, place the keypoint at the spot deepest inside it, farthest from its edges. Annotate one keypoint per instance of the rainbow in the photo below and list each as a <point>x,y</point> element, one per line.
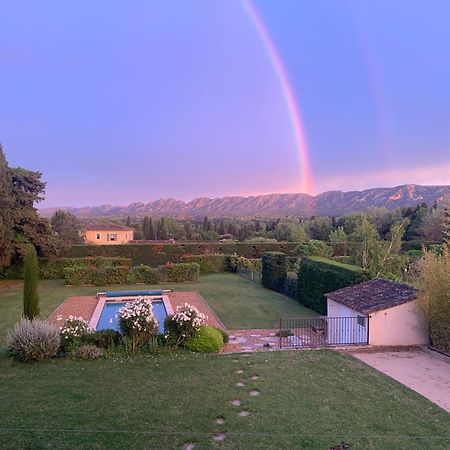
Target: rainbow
<point>288,94</point>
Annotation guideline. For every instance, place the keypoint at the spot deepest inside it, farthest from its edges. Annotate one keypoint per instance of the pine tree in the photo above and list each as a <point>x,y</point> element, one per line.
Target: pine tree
<point>206,224</point>
<point>30,284</point>
<point>128,221</point>
<point>6,212</point>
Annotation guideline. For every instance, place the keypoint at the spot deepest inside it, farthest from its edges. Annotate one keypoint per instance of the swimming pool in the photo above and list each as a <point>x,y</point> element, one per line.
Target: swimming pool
<point>109,321</point>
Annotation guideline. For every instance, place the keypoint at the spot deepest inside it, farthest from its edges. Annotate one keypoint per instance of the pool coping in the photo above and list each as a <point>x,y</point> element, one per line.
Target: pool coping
<point>102,300</point>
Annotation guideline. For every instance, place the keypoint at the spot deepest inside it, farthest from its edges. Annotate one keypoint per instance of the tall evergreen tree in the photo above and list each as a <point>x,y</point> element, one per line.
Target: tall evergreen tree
<point>30,284</point>
<point>206,224</point>
<point>128,221</point>
<point>6,212</point>
<point>145,228</point>
<point>163,234</point>
<point>151,230</point>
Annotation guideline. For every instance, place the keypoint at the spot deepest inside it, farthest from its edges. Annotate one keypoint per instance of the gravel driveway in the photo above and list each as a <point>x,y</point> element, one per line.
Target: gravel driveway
<point>422,371</point>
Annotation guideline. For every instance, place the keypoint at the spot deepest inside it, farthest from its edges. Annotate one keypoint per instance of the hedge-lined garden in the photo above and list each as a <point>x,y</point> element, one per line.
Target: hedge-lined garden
<point>318,276</point>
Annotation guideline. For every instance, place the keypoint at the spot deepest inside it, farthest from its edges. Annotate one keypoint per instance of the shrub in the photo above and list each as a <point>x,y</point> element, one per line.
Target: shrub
<point>225,336</point>
<point>206,340</point>
<point>33,340</point>
<point>103,338</point>
<point>182,272</point>
<point>319,276</point>
<point>145,274</point>
<point>183,324</point>
<point>137,322</point>
<point>433,281</point>
<point>30,283</point>
<point>73,332</point>
<point>274,270</point>
<point>208,263</point>
<point>86,352</point>
<point>290,285</point>
<point>314,248</point>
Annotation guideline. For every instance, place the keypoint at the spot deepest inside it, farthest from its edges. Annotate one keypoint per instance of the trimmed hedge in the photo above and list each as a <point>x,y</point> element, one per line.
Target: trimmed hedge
<point>144,274</point>
<point>182,272</point>
<point>208,263</point>
<point>79,275</point>
<point>318,276</point>
<point>274,271</point>
<point>290,288</point>
<point>159,254</point>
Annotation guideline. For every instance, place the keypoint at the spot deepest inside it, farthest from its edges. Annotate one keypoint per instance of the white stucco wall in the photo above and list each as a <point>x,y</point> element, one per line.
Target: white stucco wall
<point>401,325</point>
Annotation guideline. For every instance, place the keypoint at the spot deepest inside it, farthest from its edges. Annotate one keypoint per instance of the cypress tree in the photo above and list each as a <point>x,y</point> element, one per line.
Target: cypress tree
<point>151,230</point>
<point>6,212</point>
<point>30,284</point>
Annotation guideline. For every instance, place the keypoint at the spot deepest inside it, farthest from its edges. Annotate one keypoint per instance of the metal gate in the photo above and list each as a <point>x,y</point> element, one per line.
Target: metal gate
<point>312,332</point>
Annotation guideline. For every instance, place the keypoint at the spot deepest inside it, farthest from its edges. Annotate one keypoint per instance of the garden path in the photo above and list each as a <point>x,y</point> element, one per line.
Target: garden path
<point>249,341</point>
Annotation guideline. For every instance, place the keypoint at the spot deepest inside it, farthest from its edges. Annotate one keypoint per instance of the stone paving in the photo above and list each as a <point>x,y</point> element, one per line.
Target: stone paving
<point>249,341</point>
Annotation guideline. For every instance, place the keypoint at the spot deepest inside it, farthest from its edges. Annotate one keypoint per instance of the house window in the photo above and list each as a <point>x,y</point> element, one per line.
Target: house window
<point>361,321</point>
<point>112,237</point>
<point>98,236</point>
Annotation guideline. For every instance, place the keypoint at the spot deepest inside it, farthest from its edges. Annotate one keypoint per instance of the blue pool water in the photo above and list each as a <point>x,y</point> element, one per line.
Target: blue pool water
<point>109,320</point>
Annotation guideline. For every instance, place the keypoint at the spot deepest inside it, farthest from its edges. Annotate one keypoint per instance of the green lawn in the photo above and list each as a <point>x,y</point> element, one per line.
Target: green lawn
<point>239,303</point>
<point>308,399</point>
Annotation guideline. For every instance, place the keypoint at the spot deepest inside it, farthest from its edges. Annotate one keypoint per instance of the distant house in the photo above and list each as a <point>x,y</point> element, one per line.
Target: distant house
<point>387,313</point>
<point>107,234</point>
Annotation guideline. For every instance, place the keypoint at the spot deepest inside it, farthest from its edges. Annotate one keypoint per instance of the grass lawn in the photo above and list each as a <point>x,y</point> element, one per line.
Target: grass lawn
<point>308,399</point>
<point>239,303</point>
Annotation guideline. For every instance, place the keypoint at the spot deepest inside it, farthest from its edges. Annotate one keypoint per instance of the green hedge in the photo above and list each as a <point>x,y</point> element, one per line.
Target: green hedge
<point>209,263</point>
<point>156,255</point>
<point>291,285</point>
<point>80,275</point>
<point>144,274</point>
<point>52,269</point>
<point>182,272</point>
<point>318,276</point>
<point>418,244</point>
<point>274,271</point>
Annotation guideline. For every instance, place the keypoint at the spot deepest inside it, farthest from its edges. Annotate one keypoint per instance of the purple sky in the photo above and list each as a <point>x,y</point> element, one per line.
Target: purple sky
<point>118,101</point>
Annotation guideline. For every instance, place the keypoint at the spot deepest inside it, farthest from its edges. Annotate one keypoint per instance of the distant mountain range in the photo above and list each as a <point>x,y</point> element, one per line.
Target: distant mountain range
<point>332,203</point>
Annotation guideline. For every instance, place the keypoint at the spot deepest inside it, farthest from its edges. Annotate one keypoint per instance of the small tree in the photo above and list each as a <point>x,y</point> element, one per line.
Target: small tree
<point>30,284</point>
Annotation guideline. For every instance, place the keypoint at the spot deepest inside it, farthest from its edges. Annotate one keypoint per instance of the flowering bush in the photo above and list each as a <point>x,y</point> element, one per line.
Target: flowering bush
<point>183,324</point>
<point>137,322</point>
<point>33,340</point>
<point>73,331</point>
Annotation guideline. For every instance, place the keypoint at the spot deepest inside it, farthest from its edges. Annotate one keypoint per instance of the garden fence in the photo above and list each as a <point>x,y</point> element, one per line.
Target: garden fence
<point>323,331</point>
<point>249,274</point>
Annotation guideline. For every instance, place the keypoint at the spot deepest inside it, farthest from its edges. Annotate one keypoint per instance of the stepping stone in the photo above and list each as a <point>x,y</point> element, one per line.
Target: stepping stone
<point>254,393</point>
<point>219,437</point>
<point>235,402</point>
<point>188,446</point>
<point>219,421</point>
<point>239,371</point>
<point>254,377</point>
<point>240,384</point>
<point>244,413</point>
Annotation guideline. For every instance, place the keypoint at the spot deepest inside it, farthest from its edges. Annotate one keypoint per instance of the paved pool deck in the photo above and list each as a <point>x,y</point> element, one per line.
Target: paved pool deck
<point>85,306</point>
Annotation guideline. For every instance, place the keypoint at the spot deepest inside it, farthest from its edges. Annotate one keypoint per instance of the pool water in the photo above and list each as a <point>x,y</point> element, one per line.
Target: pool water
<point>109,320</point>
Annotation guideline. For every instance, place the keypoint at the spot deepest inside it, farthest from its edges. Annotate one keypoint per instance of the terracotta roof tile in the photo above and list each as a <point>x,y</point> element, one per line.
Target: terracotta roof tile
<point>373,295</point>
